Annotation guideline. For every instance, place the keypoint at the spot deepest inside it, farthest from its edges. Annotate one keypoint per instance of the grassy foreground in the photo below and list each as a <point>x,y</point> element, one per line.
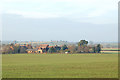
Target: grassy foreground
<point>60,66</point>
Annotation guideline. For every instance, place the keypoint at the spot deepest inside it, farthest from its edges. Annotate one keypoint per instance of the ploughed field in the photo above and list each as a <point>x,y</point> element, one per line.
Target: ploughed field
<point>110,50</point>
<point>60,65</point>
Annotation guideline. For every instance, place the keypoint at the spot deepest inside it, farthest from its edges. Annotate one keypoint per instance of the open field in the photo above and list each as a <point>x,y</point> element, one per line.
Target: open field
<point>60,66</point>
<point>110,50</point>
<point>114,49</point>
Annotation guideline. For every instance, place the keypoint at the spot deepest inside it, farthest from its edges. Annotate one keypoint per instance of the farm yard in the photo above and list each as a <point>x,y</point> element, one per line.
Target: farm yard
<point>60,65</point>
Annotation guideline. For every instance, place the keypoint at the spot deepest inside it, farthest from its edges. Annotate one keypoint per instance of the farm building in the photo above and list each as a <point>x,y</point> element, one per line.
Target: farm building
<point>43,48</point>
<point>32,51</point>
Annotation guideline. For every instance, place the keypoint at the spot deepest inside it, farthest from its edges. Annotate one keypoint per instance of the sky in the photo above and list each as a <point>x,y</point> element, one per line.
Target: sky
<point>69,20</point>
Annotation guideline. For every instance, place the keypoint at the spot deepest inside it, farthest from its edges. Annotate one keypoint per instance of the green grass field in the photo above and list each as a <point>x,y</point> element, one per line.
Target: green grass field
<point>60,66</point>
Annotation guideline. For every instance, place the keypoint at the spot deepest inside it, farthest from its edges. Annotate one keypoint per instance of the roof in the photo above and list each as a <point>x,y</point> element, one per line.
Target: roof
<point>50,46</point>
<point>31,50</point>
<point>43,45</point>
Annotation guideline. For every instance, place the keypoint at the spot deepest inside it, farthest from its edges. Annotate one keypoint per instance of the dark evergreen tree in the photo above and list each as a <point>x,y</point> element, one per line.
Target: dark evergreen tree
<point>51,50</point>
<point>64,47</point>
<point>98,48</point>
<point>94,50</point>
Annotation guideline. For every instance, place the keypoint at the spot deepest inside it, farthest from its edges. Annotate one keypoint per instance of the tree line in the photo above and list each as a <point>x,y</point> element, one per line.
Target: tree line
<point>81,47</point>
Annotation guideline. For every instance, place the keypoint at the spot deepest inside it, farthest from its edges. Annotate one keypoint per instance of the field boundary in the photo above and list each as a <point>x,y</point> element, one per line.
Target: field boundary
<point>60,79</point>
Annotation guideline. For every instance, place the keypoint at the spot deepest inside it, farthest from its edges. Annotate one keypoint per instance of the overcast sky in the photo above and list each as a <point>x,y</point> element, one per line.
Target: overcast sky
<point>70,20</point>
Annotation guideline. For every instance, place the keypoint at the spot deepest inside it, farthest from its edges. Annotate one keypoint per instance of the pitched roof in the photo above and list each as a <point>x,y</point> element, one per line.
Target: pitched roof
<point>43,45</point>
<point>31,50</point>
<point>50,46</point>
